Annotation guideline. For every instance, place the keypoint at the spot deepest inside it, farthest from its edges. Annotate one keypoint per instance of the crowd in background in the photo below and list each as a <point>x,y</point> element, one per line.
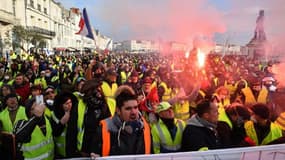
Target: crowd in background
<point>231,101</point>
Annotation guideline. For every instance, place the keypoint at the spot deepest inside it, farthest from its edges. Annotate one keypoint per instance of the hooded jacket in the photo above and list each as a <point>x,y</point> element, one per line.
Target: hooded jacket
<point>199,134</point>
<point>125,138</point>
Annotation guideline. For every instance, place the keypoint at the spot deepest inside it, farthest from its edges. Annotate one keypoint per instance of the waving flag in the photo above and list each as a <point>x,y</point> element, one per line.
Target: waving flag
<point>85,27</point>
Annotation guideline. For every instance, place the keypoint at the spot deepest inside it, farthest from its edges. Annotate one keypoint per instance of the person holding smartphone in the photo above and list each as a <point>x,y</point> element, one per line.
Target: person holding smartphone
<point>34,136</point>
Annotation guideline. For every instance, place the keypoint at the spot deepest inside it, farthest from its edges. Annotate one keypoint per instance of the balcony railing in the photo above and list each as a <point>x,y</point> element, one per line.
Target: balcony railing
<point>41,30</point>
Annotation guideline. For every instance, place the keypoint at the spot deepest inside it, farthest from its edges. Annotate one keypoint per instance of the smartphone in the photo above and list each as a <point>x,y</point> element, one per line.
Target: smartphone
<point>40,99</point>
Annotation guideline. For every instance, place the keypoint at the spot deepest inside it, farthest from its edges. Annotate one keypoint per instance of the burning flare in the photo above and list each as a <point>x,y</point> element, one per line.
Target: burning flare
<point>187,54</point>
<point>200,58</point>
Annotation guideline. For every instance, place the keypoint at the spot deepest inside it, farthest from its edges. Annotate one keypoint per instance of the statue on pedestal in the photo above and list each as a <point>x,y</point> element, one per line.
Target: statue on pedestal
<point>259,33</point>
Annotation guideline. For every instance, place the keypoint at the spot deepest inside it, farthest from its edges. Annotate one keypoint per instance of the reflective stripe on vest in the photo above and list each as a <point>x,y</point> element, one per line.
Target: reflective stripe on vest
<point>106,143</point>
<point>43,156</point>
<point>165,137</point>
<point>275,133</point>
<point>40,145</point>
<point>6,121</point>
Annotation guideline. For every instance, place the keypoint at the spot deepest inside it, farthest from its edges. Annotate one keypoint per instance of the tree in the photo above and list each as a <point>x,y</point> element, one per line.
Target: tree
<point>22,38</point>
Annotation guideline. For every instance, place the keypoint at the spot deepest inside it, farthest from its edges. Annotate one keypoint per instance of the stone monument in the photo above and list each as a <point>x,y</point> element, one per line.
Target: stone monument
<point>256,45</point>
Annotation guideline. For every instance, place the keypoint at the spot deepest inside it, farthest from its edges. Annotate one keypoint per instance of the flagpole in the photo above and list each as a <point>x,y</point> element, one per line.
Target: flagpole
<point>94,35</point>
<point>82,44</point>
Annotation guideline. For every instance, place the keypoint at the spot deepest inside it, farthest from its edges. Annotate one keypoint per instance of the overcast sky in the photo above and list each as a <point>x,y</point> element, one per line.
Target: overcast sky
<point>181,20</point>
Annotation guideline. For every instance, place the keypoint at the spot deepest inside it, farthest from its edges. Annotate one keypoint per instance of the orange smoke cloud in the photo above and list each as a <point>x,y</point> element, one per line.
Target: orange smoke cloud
<point>278,70</point>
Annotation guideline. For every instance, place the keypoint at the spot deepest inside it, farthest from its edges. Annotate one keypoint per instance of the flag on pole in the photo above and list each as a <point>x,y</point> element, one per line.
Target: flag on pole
<point>85,27</point>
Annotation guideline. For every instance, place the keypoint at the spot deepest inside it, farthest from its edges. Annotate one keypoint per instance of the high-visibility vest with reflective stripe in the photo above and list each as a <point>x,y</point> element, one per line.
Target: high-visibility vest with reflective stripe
<point>80,130</point>
<point>106,139</point>
<point>109,93</point>
<point>60,143</point>
<point>275,133</point>
<point>40,146</point>
<point>6,121</point>
<point>167,91</point>
<point>162,138</point>
<point>250,99</point>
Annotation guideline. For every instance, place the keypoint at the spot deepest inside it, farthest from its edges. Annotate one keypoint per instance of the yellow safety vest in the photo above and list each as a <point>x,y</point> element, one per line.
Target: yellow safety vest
<point>59,141</point>
<point>162,138</point>
<point>6,121</point>
<point>167,91</point>
<point>224,117</point>
<point>60,144</point>
<point>275,133</point>
<point>250,99</point>
<point>109,93</point>
<point>41,146</point>
<point>41,81</point>
<point>124,76</point>
<point>81,111</point>
<point>182,110</point>
<point>230,87</point>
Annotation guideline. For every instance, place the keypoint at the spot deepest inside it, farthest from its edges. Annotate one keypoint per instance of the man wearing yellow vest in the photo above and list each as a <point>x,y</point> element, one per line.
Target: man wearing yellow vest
<point>167,132</point>
<point>12,113</point>
<point>34,136</point>
<point>109,87</point>
<point>124,133</point>
<point>260,129</point>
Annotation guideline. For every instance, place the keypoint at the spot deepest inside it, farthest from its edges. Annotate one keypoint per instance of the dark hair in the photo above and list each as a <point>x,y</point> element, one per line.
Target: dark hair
<point>124,93</point>
<point>261,110</point>
<point>203,107</point>
<point>10,87</point>
<point>238,110</point>
<point>60,99</point>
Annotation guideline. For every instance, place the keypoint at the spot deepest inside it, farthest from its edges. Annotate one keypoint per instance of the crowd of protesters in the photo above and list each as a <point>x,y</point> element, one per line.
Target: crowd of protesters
<point>118,104</point>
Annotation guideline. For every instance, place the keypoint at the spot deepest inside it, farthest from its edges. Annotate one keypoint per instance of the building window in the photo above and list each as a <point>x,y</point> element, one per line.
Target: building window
<point>39,7</point>
<point>45,10</point>
<point>32,3</point>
